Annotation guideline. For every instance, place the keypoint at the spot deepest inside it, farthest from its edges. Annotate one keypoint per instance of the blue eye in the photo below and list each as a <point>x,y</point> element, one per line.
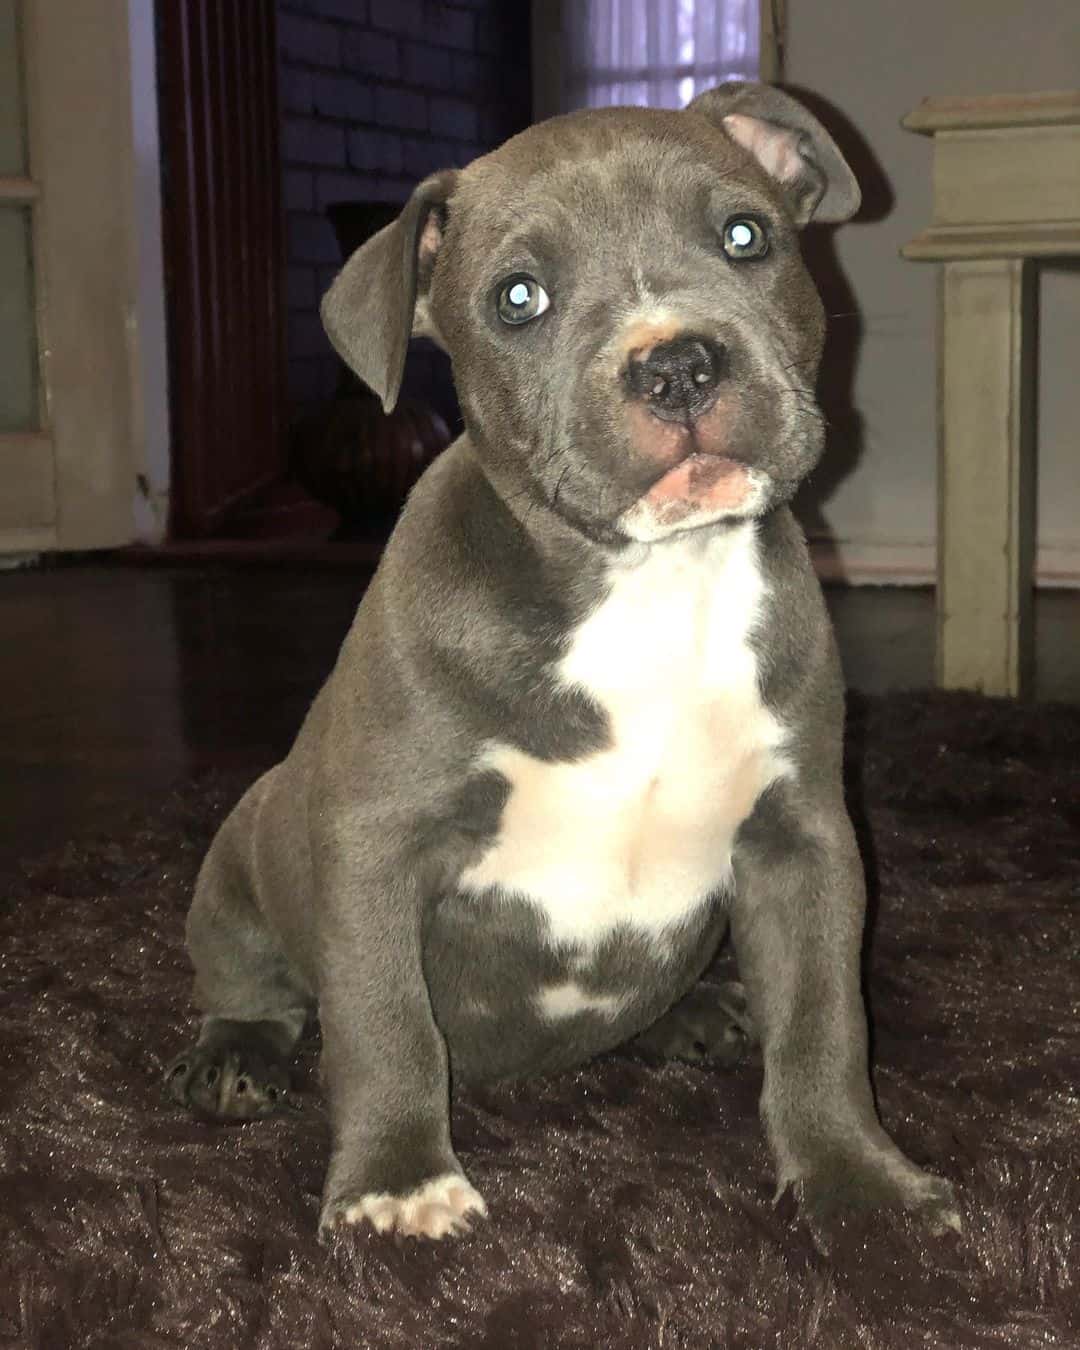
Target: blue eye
<point>520,299</point>
<point>745,237</point>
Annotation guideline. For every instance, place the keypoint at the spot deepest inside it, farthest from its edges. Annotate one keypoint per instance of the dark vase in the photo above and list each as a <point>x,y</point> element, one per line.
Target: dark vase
<point>363,462</point>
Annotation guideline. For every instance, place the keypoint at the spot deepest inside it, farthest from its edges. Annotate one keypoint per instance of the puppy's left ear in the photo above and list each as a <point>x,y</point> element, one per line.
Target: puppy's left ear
<point>789,143</point>
<point>378,299</point>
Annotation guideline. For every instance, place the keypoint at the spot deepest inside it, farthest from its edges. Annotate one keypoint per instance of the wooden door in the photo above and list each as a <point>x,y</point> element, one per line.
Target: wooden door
<point>223,234</point>
<point>71,438</point>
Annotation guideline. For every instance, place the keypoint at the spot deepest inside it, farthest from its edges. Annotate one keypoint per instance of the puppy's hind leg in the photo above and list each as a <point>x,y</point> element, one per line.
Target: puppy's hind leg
<point>254,1003</point>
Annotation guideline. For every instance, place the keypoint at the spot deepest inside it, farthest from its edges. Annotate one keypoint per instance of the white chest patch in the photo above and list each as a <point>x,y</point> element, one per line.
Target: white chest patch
<point>641,832</point>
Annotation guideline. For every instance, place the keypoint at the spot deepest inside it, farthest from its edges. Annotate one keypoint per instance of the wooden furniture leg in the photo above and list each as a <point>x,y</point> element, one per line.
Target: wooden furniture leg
<point>986,517</point>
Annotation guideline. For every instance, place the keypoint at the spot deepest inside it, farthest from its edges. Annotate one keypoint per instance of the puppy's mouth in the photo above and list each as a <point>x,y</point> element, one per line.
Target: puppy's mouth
<point>698,459</point>
<point>702,480</point>
<point>696,471</point>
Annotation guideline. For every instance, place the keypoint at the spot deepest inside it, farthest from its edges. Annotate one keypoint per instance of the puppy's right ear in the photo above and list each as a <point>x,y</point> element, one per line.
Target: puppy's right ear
<point>371,310</point>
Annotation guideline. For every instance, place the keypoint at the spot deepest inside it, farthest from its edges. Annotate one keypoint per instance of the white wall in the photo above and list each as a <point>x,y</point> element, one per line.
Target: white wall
<point>875,60</point>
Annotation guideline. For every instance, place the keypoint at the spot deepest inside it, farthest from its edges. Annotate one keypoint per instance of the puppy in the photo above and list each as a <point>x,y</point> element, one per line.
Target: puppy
<point>589,715</point>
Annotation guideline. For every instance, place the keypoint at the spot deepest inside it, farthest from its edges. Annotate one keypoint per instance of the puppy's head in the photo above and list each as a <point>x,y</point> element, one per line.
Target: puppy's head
<point>634,337</point>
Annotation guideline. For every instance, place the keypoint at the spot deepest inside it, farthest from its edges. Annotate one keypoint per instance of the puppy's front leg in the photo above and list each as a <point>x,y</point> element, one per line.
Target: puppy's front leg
<point>384,1059</point>
<point>797,924</point>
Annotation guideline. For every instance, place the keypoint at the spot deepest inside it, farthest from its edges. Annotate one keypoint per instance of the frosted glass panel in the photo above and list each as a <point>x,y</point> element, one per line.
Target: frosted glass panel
<point>12,106</point>
<point>18,341</point>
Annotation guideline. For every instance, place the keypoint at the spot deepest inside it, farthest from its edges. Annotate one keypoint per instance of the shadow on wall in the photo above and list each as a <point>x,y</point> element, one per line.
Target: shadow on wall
<point>845,437</point>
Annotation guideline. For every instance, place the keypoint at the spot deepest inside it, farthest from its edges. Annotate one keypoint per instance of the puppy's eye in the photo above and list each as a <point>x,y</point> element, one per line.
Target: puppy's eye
<point>520,299</point>
<point>745,237</point>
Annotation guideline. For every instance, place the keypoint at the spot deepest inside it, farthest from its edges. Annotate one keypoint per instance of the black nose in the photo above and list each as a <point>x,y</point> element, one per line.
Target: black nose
<point>678,379</point>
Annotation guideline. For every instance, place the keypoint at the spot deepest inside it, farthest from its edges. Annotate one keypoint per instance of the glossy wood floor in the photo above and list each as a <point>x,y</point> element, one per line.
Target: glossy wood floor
<point>117,681</point>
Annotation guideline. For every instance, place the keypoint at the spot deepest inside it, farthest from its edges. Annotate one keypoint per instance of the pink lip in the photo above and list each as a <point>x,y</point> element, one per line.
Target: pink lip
<point>701,479</point>
<point>697,471</point>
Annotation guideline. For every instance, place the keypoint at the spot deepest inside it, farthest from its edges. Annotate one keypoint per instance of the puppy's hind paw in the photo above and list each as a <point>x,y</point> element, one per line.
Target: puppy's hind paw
<point>712,1022</point>
<point>441,1207</point>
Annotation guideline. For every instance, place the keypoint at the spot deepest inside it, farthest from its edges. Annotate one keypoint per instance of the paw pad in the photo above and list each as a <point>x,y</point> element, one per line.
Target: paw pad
<point>227,1083</point>
<point>442,1207</point>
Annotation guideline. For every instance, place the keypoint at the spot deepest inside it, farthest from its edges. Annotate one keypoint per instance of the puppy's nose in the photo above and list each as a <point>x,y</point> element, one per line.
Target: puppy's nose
<point>678,379</point>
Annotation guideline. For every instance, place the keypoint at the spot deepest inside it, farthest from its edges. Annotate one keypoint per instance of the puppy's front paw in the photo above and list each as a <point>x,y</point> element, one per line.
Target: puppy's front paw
<point>895,1185</point>
<point>940,1207</point>
<point>441,1207</point>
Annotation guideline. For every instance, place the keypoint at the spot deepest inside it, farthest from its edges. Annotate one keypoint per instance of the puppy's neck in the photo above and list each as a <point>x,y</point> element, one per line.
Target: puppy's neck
<point>550,528</point>
<point>556,532</point>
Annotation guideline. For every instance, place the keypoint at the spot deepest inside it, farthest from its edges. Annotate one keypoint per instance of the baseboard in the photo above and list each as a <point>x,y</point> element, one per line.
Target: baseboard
<point>873,562</point>
<point>868,561</point>
<point>1057,563</point>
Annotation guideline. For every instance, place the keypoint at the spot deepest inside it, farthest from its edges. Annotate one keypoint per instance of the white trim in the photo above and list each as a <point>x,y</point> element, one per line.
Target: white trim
<point>1057,563</point>
<point>875,560</point>
<point>150,380</point>
<point>18,190</point>
<point>20,544</point>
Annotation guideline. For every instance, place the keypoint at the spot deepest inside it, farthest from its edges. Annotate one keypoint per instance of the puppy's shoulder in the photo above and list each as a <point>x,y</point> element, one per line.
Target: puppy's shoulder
<point>451,507</point>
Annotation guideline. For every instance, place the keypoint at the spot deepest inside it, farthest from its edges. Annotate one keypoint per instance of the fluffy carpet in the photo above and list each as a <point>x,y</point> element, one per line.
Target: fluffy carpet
<point>630,1203</point>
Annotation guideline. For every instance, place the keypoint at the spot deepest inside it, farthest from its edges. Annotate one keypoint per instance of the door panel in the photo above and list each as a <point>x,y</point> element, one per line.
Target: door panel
<point>18,330</point>
<point>27,489</point>
<point>12,94</point>
<point>18,336</point>
<point>27,486</point>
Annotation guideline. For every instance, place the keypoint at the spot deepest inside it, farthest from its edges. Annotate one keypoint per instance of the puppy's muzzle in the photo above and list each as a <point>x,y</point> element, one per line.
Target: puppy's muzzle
<point>678,380</point>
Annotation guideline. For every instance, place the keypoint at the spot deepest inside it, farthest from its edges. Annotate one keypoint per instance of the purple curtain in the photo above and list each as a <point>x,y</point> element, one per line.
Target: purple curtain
<point>656,52</point>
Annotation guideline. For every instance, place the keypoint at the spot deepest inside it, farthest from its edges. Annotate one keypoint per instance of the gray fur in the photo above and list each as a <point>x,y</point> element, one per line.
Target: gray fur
<point>334,883</point>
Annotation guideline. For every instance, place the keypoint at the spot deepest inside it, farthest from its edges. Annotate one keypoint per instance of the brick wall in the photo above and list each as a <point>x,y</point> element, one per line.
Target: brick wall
<point>376,94</point>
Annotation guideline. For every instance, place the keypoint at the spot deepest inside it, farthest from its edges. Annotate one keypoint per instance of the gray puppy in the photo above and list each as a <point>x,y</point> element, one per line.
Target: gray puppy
<point>589,714</point>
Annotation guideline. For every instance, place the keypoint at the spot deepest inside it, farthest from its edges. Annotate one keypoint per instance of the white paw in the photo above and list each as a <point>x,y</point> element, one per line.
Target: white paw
<point>439,1208</point>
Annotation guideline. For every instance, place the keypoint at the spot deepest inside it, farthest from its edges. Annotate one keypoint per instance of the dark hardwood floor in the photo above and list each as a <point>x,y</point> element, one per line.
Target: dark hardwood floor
<point>117,681</point>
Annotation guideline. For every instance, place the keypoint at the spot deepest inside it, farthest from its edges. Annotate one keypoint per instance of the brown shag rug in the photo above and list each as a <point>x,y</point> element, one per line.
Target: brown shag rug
<point>630,1203</point>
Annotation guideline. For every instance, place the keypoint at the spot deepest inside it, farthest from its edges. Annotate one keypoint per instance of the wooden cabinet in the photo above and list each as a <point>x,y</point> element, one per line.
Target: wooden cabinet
<point>1006,175</point>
